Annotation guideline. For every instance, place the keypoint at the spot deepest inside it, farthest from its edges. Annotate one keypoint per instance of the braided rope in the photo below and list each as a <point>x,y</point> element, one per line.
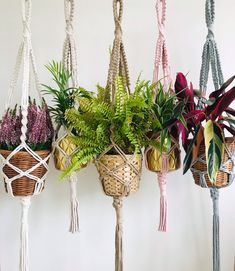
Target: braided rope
<point>24,57</point>
<point>118,62</point>
<point>161,54</point>
<point>69,48</point>
<point>210,55</point>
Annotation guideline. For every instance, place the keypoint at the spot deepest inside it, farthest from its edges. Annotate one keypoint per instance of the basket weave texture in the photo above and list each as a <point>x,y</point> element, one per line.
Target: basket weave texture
<point>119,177</point>
<point>154,158</point>
<point>24,186</point>
<point>63,151</point>
<point>199,167</point>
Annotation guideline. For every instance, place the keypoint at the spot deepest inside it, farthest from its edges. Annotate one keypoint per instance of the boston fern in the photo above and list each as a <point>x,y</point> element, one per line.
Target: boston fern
<point>63,96</point>
<point>99,123</point>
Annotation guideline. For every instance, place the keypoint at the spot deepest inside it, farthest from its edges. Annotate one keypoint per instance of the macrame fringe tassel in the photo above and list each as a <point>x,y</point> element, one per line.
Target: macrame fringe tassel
<point>24,253</point>
<point>163,201</point>
<point>216,229</point>
<point>117,204</point>
<point>74,220</point>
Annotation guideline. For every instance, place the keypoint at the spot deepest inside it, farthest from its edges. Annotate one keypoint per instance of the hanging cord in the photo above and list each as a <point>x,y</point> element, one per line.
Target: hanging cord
<point>161,54</point>
<point>70,64</point>
<point>70,49</point>
<point>210,55</point>
<point>216,229</point>
<point>163,200</point>
<point>24,254</point>
<point>118,61</point>
<point>162,58</point>
<point>117,204</point>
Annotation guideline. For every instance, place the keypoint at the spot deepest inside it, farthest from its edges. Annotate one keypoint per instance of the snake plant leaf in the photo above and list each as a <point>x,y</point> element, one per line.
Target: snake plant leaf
<point>214,142</point>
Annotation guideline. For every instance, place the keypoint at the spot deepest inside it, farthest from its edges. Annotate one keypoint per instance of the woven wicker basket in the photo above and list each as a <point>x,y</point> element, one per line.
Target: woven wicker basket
<point>24,186</point>
<point>222,177</point>
<point>118,178</point>
<point>62,152</point>
<point>153,159</point>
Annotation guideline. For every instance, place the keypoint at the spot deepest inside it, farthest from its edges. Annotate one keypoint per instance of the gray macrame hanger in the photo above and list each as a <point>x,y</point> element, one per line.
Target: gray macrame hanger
<point>211,58</point>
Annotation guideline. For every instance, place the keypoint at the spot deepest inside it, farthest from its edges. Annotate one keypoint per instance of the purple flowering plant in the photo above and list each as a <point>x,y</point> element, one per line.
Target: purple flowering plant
<point>40,131</point>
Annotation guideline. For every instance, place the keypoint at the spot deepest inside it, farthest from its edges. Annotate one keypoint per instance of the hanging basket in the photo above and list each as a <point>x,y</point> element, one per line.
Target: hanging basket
<point>119,175</point>
<point>154,161</point>
<point>226,173</point>
<point>64,148</point>
<point>24,161</point>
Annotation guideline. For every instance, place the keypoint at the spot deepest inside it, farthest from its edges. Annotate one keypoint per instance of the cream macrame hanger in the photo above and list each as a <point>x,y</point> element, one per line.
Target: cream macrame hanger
<point>24,58</point>
<point>69,59</point>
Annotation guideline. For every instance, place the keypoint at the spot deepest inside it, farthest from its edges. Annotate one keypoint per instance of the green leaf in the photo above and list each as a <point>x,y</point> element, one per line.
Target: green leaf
<point>214,142</point>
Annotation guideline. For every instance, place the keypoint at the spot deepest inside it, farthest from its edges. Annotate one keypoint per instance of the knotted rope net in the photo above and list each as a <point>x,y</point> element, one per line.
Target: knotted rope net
<point>162,60</point>
<point>226,174</point>
<point>119,173</point>
<point>63,147</point>
<point>24,58</point>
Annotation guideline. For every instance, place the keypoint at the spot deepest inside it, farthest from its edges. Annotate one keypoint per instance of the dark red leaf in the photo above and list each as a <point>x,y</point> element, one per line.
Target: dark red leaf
<point>230,129</point>
<point>230,111</point>
<point>195,116</point>
<point>217,93</point>
<point>226,99</point>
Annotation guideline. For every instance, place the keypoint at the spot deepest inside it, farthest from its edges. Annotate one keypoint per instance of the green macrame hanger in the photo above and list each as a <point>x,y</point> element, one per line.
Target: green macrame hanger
<point>211,58</point>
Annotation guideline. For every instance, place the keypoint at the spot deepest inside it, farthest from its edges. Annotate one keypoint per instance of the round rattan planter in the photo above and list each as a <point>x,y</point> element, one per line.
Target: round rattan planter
<point>223,178</point>
<point>119,177</point>
<point>153,159</point>
<point>64,148</point>
<point>24,186</point>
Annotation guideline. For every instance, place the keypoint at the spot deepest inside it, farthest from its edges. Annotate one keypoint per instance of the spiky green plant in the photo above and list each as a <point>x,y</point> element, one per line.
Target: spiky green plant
<point>63,95</point>
<point>168,111</point>
<point>99,122</point>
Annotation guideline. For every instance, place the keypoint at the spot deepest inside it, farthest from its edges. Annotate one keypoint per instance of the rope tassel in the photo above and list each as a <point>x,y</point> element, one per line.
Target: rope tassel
<point>74,222</point>
<point>117,204</point>
<point>216,230</point>
<point>24,254</point>
<point>163,201</point>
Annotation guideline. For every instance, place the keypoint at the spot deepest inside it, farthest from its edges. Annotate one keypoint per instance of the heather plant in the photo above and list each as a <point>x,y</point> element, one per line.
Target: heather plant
<point>40,130</point>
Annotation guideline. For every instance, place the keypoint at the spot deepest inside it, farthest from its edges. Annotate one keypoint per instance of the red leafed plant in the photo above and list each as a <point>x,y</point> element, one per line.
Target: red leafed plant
<point>206,122</point>
<point>40,130</point>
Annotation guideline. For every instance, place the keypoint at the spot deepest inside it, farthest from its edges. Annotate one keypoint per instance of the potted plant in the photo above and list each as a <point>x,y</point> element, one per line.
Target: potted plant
<point>209,152</point>
<point>168,111</point>
<point>39,139</point>
<point>62,100</point>
<point>112,134</point>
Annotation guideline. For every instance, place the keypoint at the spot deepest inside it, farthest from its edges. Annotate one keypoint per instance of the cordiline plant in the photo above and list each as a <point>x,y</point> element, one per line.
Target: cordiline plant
<point>100,122</point>
<point>206,124</point>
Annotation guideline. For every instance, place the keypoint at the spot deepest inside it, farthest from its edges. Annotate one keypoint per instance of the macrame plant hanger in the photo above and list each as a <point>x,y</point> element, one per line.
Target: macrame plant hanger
<point>62,145</point>
<point>210,57</point>
<point>25,57</point>
<point>122,178</point>
<point>162,59</point>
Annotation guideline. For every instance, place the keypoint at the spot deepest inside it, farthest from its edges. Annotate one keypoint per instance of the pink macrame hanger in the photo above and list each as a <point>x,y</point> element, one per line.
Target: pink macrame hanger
<point>161,54</point>
<point>162,59</point>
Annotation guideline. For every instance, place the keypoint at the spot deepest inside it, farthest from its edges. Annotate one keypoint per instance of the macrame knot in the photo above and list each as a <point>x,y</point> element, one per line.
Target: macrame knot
<point>117,203</point>
<point>210,35</point>
<point>26,30</point>
<point>69,28</point>
<point>215,198</point>
<point>25,202</point>
<point>126,190</point>
<point>162,183</point>
<point>118,30</point>
<point>214,193</point>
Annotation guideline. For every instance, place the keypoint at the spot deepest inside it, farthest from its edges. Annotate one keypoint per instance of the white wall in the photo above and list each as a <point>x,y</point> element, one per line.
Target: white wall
<point>187,245</point>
